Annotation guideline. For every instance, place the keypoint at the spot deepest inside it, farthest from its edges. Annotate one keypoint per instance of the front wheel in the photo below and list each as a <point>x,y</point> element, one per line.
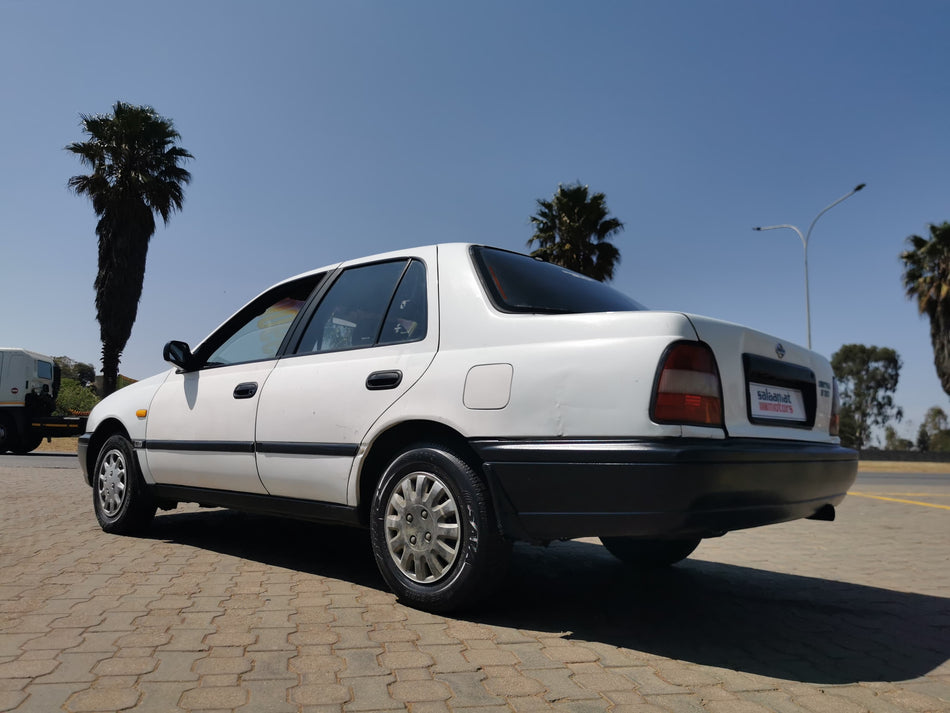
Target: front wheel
<point>650,554</point>
<point>122,503</point>
<point>433,532</point>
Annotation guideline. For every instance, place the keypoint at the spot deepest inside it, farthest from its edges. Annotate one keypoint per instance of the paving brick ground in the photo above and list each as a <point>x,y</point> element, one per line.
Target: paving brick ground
<point>219,611</point>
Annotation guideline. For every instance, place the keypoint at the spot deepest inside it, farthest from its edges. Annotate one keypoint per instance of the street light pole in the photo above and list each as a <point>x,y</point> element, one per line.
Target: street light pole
<point>804,238</point>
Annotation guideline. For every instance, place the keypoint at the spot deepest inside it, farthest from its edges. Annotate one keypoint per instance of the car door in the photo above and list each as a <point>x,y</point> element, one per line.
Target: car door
<point>370,338</point>
<point>201,422</point>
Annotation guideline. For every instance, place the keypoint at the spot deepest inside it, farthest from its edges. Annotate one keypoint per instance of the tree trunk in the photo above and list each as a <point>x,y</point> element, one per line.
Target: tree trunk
<point>940,338</point>
<point>110,369</point>
<point>124,232</point>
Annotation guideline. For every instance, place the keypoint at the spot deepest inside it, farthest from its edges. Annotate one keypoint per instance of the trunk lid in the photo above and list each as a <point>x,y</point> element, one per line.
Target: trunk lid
<point>771,388</point>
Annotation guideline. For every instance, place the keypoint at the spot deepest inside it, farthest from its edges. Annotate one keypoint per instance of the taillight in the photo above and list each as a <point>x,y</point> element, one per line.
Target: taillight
<point>834,423</point>
<point>688,390</point>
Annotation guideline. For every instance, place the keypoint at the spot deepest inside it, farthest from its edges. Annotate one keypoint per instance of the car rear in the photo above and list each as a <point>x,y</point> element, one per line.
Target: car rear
<point>625,422</point>
<point>771,388</point>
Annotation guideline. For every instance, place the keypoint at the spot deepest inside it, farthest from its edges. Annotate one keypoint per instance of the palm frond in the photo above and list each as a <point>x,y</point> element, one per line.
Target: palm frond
<point>573,230</point>
<point>926,279</point>
<point>135,173</point>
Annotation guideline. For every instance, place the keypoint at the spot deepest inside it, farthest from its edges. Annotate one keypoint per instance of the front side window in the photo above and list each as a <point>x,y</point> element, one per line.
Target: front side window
<point>257,331</point>
<point>382,303</point>
<point>44,370</point>
<point>519,283</point>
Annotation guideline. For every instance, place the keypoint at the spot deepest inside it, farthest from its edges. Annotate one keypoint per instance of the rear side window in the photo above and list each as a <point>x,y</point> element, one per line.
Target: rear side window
<point>382,303</point>
<point>519,283</point>
<point>407,317</point>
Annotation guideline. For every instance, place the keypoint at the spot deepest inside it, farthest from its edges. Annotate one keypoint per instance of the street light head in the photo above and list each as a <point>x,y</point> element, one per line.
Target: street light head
<point>859,187</point>
<point>757,228</point>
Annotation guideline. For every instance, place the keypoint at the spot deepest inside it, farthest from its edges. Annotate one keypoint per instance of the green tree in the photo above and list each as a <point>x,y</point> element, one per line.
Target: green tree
<point>135,161</point>
<point>574,229</point>
<point>894,442</point>
<point>927,280</point>
<point>848,426</point>
<point>867,377</point>
<point>935,420</point>
<point>940,442</point>
<point>79,371</point>
<point>934,432</point>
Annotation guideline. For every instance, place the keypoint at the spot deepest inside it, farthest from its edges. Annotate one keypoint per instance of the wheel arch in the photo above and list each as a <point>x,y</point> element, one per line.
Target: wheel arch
<point>105,430</point>
<point>394,439</point>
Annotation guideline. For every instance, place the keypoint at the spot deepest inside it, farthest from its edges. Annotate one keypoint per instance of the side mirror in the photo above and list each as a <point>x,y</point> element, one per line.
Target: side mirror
<point>179,354</point>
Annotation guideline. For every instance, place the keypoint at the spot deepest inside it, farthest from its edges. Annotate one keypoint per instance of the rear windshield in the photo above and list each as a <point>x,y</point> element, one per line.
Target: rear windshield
<point>518,283</point>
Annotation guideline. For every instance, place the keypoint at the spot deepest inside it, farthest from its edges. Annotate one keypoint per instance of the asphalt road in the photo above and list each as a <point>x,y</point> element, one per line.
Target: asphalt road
<point>216,610</point>
<point>902,479</point>
<point>39,460</point>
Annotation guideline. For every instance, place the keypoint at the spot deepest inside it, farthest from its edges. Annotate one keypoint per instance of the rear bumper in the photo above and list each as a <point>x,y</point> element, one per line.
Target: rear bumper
<point>670,488</point>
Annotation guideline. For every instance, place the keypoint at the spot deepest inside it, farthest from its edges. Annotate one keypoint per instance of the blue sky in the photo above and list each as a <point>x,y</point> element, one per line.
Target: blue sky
<point>324,131</point>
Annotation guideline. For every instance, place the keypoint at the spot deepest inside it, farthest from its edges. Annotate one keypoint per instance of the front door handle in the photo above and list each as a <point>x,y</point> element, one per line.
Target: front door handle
<point>379,380</point>
<point>245,390</point>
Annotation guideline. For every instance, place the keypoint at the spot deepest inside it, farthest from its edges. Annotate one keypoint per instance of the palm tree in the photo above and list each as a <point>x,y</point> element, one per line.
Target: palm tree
<point>134,157</point>
<point>573,230</point>
<point>927,280</point>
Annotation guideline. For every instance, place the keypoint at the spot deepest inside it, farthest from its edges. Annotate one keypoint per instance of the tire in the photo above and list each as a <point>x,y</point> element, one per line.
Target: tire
<point>28,444</point>
<point>433,531</point>
<point>649,554</point>
<point>120,498</point>
<point>8,436</point>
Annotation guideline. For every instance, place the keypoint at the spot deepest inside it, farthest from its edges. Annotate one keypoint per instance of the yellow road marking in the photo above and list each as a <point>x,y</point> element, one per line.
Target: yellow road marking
<point>915,495</point>
<point>899,500</point>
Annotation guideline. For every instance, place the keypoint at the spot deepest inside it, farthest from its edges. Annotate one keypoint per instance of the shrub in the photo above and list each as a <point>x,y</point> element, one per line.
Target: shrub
<point>74,399</point>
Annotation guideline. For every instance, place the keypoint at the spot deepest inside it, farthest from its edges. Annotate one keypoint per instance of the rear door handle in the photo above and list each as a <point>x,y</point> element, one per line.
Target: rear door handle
<point>245,390</point>
<point>379,380</point>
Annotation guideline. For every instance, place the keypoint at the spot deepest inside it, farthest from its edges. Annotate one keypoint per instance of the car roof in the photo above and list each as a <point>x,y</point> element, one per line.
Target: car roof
<point>379,257</point>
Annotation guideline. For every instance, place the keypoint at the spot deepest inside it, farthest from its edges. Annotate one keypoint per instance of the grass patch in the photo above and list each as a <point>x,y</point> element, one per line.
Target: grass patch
<point>58,445</point>
<point>893,466</point>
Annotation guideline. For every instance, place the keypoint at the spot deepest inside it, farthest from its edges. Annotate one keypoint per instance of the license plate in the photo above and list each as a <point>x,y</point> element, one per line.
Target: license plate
<point>776,402</point>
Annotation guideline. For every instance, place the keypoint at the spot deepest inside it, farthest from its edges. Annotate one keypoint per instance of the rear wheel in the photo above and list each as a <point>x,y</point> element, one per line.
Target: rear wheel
<point>122,503</point>
<point>8,435</point>
<point>433,532</point>
<point>649,554</point>
<point>28,444</point>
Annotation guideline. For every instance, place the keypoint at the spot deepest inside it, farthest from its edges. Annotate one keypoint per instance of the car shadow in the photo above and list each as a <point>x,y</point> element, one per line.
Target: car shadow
<point>751,620</point>
<point>324,550</point>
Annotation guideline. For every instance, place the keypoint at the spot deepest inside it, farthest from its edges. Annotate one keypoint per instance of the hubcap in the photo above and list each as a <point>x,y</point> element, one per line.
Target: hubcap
<point>422,527</point>
<point>111,482</point>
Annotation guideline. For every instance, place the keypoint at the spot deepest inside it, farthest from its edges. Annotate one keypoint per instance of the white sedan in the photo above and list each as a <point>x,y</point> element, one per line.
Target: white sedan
<point>455,398</point>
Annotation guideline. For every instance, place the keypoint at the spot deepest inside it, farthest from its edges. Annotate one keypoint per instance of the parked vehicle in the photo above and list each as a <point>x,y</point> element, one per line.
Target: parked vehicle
<point>455,398</point>
<point>29,383</point>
